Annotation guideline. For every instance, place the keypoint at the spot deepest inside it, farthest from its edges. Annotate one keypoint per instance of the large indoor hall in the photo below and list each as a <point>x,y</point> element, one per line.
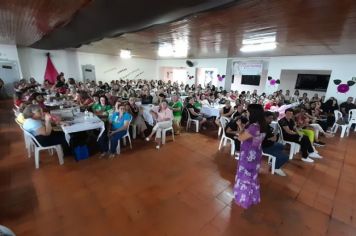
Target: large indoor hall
<point>177,118</point>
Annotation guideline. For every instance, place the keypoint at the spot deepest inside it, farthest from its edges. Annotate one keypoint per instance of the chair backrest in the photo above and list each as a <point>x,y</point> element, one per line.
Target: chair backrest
<point>223,122</point>
<point>128,127</point>
<point>338,115</point>
<point>16,112</point>
<point>33,138</point>
<point>352,115</point>
<point>28,135</point>
<point>188,113</point>
<point>280,132</point>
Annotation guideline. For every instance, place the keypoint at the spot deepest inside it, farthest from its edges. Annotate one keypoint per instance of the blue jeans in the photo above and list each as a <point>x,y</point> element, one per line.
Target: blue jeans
<point>104,141</point>
<point>277,150</point>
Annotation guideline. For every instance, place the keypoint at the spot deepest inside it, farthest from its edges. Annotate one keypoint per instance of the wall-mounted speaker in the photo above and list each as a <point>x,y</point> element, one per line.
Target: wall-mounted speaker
<point>189,63</point>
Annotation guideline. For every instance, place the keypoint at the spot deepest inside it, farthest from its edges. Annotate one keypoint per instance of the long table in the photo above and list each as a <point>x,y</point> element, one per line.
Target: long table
<point>82,123</point>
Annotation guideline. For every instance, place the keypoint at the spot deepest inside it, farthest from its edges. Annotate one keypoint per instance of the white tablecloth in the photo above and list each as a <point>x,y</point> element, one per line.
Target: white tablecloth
<point>59,112</point>
<point>183,98</point>
<point>146,113</point>
<point>213,110</point>
<point>54,103</point>
<point>146,108</point>
<point>82,123</point>
<point>210,111</point>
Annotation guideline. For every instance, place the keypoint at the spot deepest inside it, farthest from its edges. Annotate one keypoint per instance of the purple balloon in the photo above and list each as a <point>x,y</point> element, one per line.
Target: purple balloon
<point>343,88</point>
<point>272,82</point>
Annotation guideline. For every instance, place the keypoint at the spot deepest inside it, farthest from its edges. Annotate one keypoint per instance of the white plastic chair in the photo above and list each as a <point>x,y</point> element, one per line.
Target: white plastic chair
<point>344,128</point>
<point>27,140</point>
<point>16,111</point>
<point>271,161</point>
<point>190,120</point>
<point>38,147</point>
<point>294,147</point>
<point>220,129</point>
<point>127,135</point>
<point>352,120</point>
<point>224,138</point>
<point>164,131</point>
<point>134,130</point>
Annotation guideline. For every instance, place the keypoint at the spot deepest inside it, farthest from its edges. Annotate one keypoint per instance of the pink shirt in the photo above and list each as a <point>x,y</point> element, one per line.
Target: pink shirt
<point>163,114</point>
<point>282,109</point>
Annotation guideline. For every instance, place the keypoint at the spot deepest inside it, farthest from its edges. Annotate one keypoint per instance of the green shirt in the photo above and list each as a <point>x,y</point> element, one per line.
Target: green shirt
<point>177,104</point>
<point>197,105</point>
<point>99,107</point>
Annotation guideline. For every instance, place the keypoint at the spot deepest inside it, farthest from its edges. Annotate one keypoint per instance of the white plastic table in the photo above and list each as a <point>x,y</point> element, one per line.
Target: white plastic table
<point>210,111</point>
<point>82,123</point>
<point>146,108</point>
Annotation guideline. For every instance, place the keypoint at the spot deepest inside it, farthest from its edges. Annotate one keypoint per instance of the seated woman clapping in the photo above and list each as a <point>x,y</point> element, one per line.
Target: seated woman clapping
<point>117,128</point>
<point>163,117</point>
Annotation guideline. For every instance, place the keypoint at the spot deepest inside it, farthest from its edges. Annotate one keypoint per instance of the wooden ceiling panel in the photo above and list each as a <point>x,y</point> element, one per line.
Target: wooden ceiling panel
<point>303,27</point>
<point>25,22</point>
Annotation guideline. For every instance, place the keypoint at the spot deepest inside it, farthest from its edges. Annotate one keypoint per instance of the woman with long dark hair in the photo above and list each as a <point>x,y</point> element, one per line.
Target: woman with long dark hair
<point>247,187</point>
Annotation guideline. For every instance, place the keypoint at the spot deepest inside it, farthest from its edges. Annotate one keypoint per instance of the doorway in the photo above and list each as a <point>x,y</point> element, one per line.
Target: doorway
<point>88,72</point>
<point>9,73</point>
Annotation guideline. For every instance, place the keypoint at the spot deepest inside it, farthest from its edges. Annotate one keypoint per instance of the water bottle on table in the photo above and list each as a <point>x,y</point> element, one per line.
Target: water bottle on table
<point>86,114</point>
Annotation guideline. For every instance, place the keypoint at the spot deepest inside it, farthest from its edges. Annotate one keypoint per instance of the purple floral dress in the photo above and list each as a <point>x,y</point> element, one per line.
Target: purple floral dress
<point>247,186</point>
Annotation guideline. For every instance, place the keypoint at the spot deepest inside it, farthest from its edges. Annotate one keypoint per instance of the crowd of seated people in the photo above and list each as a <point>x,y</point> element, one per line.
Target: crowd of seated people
<point>303,120</point>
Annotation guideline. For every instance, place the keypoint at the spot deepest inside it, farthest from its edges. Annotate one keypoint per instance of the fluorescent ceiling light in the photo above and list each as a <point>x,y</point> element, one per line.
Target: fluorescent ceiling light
<point>125,54</point>
<point>165,50</point>
<point>178,49</point>
<point>258,47</point>
<point>259,40</point>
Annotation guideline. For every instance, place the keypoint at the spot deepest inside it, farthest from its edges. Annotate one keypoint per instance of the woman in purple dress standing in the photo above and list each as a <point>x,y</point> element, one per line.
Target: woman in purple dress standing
<point>247,187</point>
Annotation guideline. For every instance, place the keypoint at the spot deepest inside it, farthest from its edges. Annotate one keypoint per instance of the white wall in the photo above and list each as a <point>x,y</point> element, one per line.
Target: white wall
<point>107,66</point>
<point>33,63</point>
<point>288,79</point>
<point>218,63</point>
<point>342,67</point>
<point>9,53</point>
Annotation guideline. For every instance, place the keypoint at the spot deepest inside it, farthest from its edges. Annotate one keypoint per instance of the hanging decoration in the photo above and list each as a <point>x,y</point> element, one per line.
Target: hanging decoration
<point>221,77</point>
<point>272,81</point>
<point>51,71</point>
<point>343,88</point>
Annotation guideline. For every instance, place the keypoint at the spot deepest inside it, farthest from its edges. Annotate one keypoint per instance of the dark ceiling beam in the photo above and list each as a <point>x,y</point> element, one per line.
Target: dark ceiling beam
<point>108,18</point>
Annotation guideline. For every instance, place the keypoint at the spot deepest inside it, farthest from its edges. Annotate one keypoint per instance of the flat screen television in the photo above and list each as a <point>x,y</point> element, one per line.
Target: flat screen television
<point>312,82</point>
<point>253,80</point>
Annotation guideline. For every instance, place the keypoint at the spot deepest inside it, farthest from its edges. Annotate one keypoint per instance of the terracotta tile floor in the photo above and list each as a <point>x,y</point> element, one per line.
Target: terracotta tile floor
<point>185,188</point>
